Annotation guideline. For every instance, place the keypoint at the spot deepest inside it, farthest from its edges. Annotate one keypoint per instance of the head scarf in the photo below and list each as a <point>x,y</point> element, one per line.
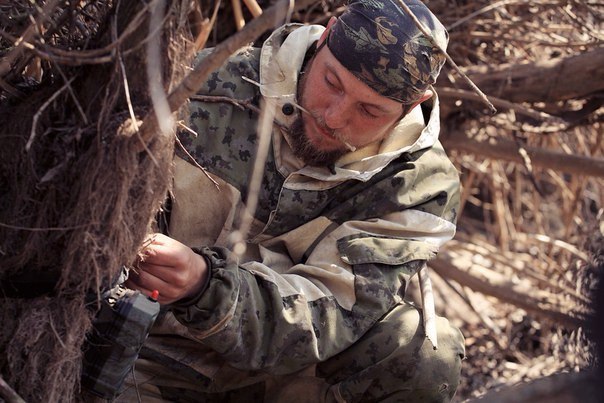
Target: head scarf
<point>378,42</point>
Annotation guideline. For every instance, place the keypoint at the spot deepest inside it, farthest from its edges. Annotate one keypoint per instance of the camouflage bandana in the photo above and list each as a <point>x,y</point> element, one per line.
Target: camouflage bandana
<point>378,42</point>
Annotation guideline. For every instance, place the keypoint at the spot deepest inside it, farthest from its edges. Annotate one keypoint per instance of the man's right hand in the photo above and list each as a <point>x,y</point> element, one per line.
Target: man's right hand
<point>169,267</point>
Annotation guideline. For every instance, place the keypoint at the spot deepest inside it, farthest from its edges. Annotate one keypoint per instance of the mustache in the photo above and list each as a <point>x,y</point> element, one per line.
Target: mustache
<point>320,122</point>
<point>333,133</point>
<point>323,126</point>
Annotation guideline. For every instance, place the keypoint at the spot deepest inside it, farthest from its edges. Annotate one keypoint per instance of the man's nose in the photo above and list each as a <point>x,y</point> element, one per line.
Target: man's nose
<point>336,115</point>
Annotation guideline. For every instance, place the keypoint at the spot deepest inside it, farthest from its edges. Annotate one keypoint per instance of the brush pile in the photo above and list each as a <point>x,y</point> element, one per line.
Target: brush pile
<point>80,184</point>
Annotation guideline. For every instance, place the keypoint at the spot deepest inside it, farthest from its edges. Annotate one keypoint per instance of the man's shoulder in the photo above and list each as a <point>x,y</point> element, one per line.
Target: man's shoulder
<point>249,54</point>
<point>234,75</point>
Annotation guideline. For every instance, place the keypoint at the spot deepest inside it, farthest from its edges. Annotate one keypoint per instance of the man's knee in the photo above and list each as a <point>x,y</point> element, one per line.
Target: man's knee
<point>396,359</point>
<point>430,374</point>
<point>437,371</point>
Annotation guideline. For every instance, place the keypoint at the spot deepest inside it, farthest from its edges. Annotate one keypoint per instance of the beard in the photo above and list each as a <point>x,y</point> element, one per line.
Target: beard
<point>301,146</point>
<point>306,151</point>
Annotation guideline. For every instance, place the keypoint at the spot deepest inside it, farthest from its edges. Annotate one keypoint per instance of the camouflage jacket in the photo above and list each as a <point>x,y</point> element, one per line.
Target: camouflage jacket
<point>327,253</point>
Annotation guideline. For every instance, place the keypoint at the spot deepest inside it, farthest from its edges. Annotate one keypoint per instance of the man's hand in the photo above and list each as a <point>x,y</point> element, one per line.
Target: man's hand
<point>170,267</point>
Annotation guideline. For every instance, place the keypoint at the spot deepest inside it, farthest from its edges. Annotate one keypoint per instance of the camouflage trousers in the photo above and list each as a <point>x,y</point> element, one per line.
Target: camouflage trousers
<point>393,362</point>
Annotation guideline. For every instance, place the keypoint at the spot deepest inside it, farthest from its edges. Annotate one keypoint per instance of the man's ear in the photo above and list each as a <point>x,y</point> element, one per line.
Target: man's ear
<point>323,37</point>
<point>427,95</point>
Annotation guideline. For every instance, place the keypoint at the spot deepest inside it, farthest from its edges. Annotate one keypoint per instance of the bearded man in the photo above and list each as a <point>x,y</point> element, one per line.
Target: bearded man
<point>356,195</point>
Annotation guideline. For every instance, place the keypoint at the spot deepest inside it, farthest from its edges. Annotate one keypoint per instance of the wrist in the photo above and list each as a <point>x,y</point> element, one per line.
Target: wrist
<point>201,264</point>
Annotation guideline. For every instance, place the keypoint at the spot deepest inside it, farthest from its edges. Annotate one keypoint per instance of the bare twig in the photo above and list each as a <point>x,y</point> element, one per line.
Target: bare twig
<point>134,380</point>
<point>482,11</point>
<point>123,69</point>
<point>86,56</point>
<point>265,128</point>
<point>524,265</point>
<point>547,80</point>
<point>429,315</point>
<point>206,28</point>
<point>238,14</point>
<point>528,164</point>
<point>54,331</point>
<point>560,244</point>
<point>45,105</point>
<point>240,103</point>
<point>73,96</point>
<point>193,160</point>
<point>161,108</point>
<point>451,264</point>
<point>254,8</point>
<point>7,393</point>
<point>499,337</point>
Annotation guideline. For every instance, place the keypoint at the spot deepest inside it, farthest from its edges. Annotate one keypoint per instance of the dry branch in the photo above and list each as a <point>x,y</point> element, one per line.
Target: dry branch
<point>450,94</point>
<point>508,151</point>
<point>427,34</point>
<point>576,76</point>
<point>8,394</point>
<point>427,295</point>
<point>254,8</point>
<point>76,57</point>
<point>457,265</point>
<point>238,14</point>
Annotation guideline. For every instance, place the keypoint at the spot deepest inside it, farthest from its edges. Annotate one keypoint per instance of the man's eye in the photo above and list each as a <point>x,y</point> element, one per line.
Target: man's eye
<point>367,113</point>
<point>330,83</point>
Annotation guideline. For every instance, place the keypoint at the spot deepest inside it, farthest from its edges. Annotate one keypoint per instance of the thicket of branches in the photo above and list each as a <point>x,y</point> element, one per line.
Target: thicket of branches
<point>90,93</point>
<point>531,236</point>
<point>80,181</point>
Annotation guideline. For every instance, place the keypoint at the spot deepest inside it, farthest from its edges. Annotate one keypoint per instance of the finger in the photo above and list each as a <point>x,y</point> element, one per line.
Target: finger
<point>156,237</point>
<point>168,274</point>
<point>165,254</point>
<point>147,283</point>
<point>147,292</point>
<point>133,286</point>
<point>159,239</point>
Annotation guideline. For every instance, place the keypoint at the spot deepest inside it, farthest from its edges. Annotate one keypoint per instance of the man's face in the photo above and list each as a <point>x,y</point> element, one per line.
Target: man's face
<point>344,113</point>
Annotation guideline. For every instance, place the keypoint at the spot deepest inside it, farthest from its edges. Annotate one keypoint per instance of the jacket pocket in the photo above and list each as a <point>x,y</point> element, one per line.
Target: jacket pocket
<point>365,248</point>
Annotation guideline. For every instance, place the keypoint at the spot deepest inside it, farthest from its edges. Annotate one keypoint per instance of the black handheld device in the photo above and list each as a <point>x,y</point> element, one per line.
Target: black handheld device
<point>119,331</point>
